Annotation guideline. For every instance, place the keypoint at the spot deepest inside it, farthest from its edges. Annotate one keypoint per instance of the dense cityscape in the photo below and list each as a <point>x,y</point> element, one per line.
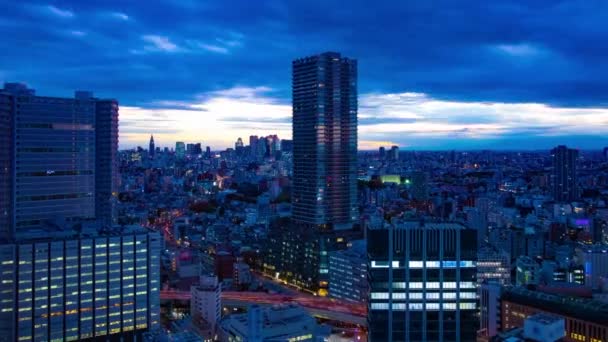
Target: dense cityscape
<point>292,240</point>
<point>304,235</point>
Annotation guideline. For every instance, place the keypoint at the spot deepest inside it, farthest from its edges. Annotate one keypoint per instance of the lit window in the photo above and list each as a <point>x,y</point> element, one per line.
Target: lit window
<point>379,295</point>
<point>379,264</point>
<point>379,306</point>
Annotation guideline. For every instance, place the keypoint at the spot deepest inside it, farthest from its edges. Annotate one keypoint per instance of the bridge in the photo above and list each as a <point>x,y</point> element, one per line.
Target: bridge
<point>321,307</point>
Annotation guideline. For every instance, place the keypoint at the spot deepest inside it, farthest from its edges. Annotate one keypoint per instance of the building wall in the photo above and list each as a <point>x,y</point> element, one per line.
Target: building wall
<point>206,304</point>
<point>81,288</point>
<point>348,276</point>
<point>325,140</point>
<point>514,315</point>
<point>106,162</point>
<point>6,167</point>
<point>422,282</point>
<point>565,186</point>
<point>55,160</point>
<point>61,161</point>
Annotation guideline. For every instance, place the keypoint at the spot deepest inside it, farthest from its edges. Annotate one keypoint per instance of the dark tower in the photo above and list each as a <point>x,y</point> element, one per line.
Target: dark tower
<point>325,141</point>
<point>564,182</point>
<point>151,149</point>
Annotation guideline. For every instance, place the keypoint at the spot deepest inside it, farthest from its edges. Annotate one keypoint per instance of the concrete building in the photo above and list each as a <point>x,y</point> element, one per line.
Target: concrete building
<point>80,287</point>
<point>493,264</point>
<point>59,160</point>
<point>348,273</point>
<point>422,278</point>
<point>564,180</point>
<point>205,305</point>
<point>325,141</point>
<point>585,319</point>
<point>594,260</point>
<point>278,323</point>
<point>527,271</point>
<point>180,150</point>
<point>489,304</point>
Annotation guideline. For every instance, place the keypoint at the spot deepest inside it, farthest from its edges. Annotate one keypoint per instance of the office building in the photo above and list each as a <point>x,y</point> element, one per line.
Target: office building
<point>205,305</point>
<point>81,286</point>
<point>67,272</point>
<point>241,277</point>
<point>489,310</point>
<point>585,319</point>
<point>594,260</point>
<point>419,186</point>
<point>180,150</point>
<point>190,149</point>
<point>286,146</point>
<point>59,160</point>
<point>394,153</point>
<point>197,149</point>
<point>325,141</point>
<point>107,177</point>
<point>151,148</point>
<point>382,152</point>
<point>422,280</point>
<point>493,264</point>
<point>348,273</point>
<point>277,323</point>
<point>564,180</point>
<point>300,256</point>
<point>527,271</point>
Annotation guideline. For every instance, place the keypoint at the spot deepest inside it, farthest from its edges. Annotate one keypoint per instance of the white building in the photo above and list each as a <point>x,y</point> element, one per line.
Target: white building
<point>205,305</point>
<point>278,323</point>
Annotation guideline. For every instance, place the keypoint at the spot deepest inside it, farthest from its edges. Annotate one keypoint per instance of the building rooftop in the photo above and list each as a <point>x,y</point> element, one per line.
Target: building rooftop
<point>581,308</point>
<point>418,224</point>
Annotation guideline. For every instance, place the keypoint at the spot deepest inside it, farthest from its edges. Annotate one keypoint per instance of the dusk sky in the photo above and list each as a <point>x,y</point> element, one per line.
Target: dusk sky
<point>433,74</point>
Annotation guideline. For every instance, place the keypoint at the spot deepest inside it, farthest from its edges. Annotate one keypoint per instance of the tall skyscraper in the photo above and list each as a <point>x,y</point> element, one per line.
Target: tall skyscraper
<point>63,278</point>
<point>564,181</point>
<point>106,160</point>
<point>180,150</point>
<point>394,153</point>
<point>58,159</point>
<point>422,280</point>
<point>325,140</point>
<point>151,149</point>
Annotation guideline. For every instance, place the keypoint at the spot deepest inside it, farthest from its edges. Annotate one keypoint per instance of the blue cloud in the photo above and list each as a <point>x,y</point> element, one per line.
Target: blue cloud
<point>505,51</point>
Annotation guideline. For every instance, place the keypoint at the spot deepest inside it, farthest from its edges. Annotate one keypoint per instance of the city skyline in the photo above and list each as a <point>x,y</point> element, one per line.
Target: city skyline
<point>281,170</point>
<point>450,86</point>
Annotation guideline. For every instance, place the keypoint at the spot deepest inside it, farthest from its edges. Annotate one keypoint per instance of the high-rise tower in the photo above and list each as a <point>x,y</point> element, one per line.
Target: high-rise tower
<point>151,149</point>
<point>64,278</point>
<point>58,161</point>
<point>325,140</point>
<point>563,179</point>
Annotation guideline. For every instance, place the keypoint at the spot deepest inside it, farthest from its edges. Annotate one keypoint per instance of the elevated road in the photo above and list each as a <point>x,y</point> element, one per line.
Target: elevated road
<point>322,307</point>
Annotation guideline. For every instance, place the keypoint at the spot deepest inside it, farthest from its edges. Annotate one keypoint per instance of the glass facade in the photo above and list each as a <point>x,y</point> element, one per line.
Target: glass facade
<point>61,164</point>
<point>325,140</point>
<point>422,280</point>
<point>76,289</point>
<point>564,181</point>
